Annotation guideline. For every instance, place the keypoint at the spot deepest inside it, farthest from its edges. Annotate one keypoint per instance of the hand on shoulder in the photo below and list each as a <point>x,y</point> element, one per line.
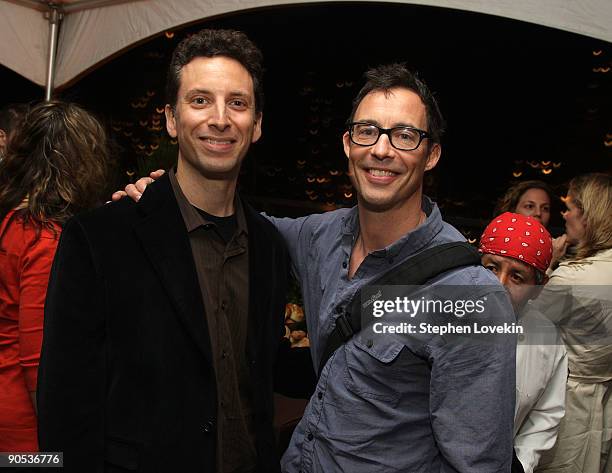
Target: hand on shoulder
<point>135,191</point>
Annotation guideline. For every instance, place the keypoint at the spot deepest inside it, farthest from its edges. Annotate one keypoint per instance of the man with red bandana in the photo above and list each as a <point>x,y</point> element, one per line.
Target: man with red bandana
<point>518,249</point>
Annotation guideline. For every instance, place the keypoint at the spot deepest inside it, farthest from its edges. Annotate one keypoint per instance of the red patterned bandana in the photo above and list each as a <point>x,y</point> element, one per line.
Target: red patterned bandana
<point>519,237</point>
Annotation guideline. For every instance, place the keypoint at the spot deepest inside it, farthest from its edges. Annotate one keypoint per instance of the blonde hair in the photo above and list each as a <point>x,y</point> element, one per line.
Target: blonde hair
<point>592,194</point>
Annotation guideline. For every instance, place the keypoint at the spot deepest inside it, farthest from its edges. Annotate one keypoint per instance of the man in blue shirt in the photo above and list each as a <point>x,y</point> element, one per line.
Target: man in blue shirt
<point>392,405</point>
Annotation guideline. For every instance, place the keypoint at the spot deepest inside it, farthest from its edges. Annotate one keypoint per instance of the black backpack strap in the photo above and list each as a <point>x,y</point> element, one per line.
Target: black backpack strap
<point>414,271</point>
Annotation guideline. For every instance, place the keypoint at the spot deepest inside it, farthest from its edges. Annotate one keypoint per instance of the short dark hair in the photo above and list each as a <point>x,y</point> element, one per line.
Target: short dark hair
<point>211,43</point>
<point>389,76</point>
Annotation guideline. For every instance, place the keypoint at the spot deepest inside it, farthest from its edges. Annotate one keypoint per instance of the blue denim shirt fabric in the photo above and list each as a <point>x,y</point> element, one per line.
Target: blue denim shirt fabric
<point>392,407</point>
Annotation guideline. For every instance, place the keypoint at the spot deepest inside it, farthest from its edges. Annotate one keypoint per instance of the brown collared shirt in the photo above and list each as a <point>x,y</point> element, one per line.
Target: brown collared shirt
<point>223,273</point>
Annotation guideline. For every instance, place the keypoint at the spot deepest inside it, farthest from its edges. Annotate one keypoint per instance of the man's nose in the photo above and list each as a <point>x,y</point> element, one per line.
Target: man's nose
<point>219,118</point>
<point>503,278</point>
<point>382,149</point>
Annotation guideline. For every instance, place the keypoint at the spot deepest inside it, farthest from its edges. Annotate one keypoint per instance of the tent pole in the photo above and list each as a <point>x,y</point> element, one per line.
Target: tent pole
<point>54,17</point>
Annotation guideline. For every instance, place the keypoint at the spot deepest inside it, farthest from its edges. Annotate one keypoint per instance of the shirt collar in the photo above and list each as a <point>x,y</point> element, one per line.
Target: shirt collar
<point>409,244</point>
<point>193,219</point>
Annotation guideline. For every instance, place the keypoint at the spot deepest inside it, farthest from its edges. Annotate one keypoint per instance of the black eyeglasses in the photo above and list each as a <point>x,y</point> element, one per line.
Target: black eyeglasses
<point>404,138</point>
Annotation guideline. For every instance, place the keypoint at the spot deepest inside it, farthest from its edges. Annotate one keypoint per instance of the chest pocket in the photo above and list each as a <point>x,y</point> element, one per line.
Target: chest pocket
<point>373,370</point>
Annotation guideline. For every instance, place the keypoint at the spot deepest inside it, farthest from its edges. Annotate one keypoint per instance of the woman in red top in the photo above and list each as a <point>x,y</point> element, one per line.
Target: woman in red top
<point>55,166</point>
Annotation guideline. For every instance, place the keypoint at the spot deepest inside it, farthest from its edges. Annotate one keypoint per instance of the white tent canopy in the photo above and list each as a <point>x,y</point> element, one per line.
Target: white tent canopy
<point>93,30</point>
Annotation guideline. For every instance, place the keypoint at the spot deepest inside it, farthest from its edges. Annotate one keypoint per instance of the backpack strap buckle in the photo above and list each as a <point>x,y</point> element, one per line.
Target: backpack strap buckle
<point>344,327</point>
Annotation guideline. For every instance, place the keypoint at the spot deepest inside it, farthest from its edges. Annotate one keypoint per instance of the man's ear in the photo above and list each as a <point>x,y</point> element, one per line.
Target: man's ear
<point>257,129</point>
<point>170,120</point>
<point>434,155</point>
<point>346,143</point>
<point>2,138</point>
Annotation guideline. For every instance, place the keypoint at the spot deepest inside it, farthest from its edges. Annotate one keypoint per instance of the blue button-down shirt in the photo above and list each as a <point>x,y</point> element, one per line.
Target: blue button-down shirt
<point>391,406</point>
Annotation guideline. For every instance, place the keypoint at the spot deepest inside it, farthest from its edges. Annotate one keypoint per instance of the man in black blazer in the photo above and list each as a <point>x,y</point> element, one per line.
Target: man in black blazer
<point>171,369</point>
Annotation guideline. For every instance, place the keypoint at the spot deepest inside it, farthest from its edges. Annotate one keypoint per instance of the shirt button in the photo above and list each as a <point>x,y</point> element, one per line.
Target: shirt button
<point>344,265</point>
<point>223,306</point>
<point>223,354</point>
<point>320,395</point>
<point>310,436</point>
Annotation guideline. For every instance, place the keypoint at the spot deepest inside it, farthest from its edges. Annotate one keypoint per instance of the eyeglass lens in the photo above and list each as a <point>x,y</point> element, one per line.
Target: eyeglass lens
<point>401,137</point>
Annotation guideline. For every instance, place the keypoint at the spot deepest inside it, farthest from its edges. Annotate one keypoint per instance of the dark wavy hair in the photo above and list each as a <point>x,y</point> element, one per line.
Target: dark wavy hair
<point>211,43</point>
<point>509,201</point>
<point>56,165</point>
<point>389,76</point>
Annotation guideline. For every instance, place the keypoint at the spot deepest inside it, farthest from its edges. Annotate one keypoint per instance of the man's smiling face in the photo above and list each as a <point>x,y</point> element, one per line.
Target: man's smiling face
<point>214,119</point>
<point>384,177</point>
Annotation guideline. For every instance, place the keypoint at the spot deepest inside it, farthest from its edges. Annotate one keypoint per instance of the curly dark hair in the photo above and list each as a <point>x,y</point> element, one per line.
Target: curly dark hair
<point>389,76</point>
<point>211,43</point>
<point>56,165</point>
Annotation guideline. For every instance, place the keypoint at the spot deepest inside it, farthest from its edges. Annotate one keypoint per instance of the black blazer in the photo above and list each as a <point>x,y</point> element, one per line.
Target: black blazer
<point>126,380</point>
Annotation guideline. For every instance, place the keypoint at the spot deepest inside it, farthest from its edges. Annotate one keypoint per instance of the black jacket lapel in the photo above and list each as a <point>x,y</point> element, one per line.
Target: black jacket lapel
<point>164,238</point>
